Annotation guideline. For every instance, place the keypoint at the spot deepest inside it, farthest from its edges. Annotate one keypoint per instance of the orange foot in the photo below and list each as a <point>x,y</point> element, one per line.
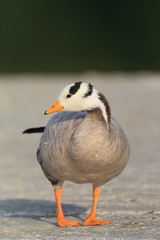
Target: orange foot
<point>65,223</point>
<point>92,221</point>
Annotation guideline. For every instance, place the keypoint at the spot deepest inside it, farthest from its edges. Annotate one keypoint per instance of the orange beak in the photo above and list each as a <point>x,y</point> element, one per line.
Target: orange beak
<point>54,108</point>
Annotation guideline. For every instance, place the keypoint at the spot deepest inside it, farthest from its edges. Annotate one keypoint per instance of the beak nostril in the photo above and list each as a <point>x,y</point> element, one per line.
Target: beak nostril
<point>54,108</point>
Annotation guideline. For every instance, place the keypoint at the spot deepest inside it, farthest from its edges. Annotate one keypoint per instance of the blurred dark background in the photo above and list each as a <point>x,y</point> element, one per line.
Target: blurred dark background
<point>75,36</point>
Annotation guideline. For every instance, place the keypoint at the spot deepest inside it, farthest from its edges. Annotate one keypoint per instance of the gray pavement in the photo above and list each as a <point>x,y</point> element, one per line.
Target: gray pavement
<point>131,201</point>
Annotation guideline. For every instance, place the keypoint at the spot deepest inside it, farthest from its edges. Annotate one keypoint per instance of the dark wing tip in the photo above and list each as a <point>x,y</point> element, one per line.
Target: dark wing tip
<point>34,130</point>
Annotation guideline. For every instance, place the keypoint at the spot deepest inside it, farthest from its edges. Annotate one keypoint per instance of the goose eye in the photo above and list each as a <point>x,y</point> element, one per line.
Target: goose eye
<point>68,96</point>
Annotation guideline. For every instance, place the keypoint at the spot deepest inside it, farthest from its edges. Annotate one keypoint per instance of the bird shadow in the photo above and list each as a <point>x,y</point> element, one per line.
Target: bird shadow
<point>39,210</point>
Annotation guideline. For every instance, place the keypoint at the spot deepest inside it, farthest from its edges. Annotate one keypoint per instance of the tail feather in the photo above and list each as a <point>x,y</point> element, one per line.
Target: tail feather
<point>34,130</point>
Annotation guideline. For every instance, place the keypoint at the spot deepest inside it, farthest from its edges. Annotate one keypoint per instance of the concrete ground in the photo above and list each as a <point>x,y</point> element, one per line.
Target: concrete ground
<point>131,201</point>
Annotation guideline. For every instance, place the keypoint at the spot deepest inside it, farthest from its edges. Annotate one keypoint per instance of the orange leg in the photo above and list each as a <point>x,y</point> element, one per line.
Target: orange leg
<point>91,219</point>
<point>61,220</point>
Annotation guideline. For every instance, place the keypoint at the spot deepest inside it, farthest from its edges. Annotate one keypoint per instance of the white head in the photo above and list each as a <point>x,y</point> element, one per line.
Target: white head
<point>81,96</point>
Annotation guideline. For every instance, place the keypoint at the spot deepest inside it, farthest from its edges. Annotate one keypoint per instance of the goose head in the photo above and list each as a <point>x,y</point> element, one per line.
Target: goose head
<point>81,96</point>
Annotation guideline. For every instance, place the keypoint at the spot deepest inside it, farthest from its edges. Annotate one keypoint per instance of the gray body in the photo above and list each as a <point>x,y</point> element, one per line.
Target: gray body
<point>78,147</point>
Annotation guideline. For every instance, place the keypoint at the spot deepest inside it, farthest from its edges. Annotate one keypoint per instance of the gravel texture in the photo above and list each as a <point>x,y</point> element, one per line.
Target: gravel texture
<point>131,201</point>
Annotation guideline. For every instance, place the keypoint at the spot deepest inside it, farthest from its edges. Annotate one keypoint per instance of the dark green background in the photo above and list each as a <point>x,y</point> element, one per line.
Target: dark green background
<point>64,36</point>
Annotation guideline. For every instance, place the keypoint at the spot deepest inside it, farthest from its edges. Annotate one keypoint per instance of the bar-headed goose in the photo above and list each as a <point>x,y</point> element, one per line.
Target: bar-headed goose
<point>82,144</point>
